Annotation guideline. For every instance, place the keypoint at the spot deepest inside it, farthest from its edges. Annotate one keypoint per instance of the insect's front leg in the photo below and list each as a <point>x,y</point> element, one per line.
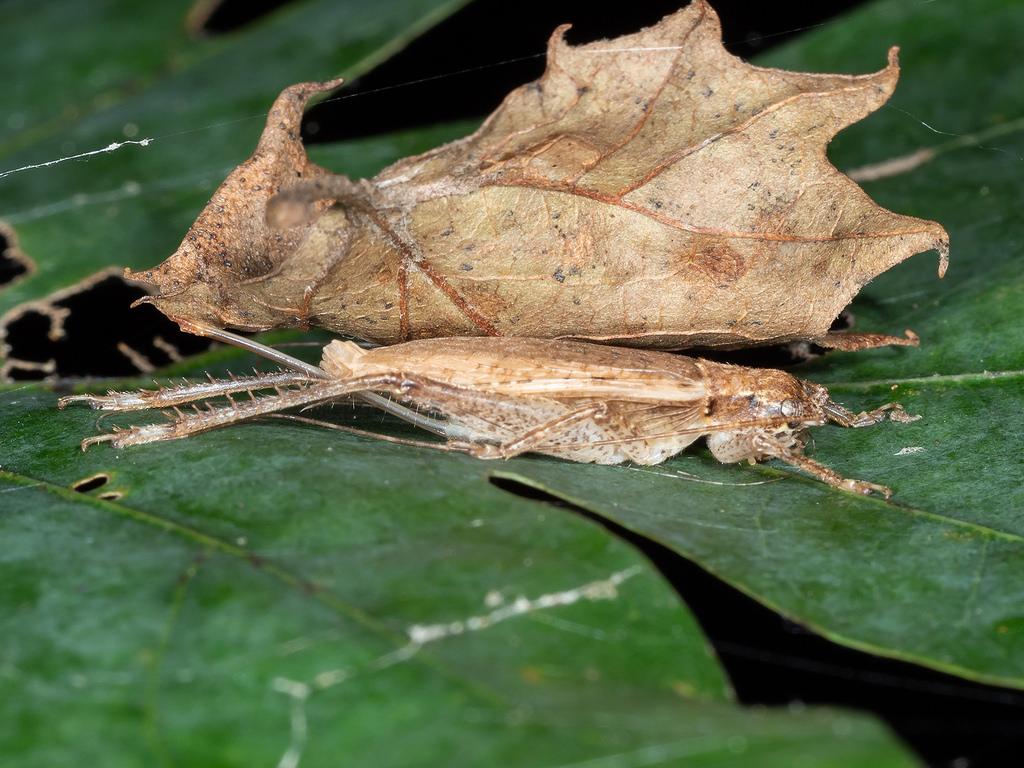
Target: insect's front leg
<point>844,418</point>
<point>767,444</point>
<point>852,342</point>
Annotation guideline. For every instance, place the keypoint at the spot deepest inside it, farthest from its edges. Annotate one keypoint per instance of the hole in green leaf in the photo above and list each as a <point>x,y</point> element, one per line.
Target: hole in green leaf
<point>13,263</point>
<point>91,483</point>
<point>218,17</point>
<point>89,330</point>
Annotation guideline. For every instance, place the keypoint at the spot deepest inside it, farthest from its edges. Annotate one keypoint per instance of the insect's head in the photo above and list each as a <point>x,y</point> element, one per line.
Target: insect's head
<point>779,397</point>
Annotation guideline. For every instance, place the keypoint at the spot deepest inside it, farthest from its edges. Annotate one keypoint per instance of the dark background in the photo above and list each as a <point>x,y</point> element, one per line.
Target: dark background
<point>461,69</point>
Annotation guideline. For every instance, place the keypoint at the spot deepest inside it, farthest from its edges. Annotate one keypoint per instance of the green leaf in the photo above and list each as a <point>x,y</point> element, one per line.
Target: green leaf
<point>214,611</point>
<point>281,593</point>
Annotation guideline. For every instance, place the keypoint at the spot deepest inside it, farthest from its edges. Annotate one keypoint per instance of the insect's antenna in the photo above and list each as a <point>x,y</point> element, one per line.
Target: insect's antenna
<point>274,355</point>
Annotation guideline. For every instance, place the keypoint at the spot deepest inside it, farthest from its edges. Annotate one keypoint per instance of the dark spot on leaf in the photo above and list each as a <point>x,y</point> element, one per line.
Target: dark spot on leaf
<point>111,495</point>
<point>559,275</point>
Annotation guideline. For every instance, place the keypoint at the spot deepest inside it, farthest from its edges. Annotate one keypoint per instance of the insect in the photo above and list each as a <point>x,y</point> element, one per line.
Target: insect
<point>499,398</point>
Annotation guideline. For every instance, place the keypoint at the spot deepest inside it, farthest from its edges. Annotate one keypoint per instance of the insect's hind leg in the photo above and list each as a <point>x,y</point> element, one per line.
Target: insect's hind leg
<point>450,446</point>
<point>182,424</point>
<point>314,372</point>
<point>167,397</point>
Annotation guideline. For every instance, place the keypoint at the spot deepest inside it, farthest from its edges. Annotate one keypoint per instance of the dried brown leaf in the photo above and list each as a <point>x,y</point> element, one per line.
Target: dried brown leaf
<point>651,190</point>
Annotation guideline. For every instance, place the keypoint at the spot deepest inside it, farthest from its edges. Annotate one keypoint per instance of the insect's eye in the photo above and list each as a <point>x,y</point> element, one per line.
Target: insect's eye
<point>788,408</point>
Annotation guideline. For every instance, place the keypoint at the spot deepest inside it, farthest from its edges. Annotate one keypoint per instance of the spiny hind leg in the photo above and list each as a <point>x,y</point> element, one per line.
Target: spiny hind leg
<point>167,397</point>
<point>298,372</point>
<point>182,424</point>
<point>792,453</point>
<point>495,427</point>
<point>313,372</point>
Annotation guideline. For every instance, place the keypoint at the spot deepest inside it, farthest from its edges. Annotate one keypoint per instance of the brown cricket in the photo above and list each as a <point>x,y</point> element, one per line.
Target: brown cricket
<point>499,398</point>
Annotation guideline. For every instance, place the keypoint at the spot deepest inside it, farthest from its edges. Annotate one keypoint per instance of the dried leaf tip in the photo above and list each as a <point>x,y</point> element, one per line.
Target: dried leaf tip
<point>281,134</point>
<point>230,243</point>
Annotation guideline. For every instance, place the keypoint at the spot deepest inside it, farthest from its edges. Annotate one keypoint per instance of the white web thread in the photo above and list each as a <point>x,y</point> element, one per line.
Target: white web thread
<point>112,147</point>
